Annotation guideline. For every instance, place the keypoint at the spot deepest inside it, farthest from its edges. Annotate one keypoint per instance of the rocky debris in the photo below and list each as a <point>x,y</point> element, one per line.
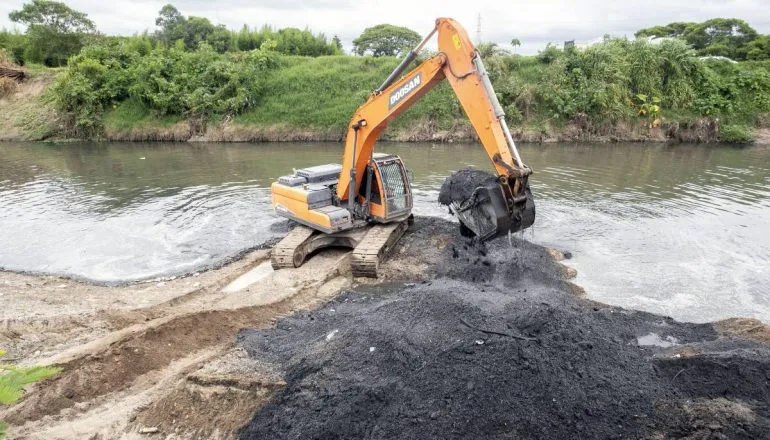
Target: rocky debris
<point>493,345</point>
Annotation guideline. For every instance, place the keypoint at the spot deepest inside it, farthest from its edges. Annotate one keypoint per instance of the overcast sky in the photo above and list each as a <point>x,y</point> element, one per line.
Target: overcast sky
<point>535,23</point>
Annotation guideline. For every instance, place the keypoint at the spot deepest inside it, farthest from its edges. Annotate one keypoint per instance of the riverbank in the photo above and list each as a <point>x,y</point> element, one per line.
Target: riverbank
<point>160,358</point>
<point>28,117</point>
<point>31,114</point>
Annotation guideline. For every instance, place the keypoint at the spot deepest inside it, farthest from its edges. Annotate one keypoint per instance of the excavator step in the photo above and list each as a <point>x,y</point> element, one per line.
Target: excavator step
<point>375,247</point>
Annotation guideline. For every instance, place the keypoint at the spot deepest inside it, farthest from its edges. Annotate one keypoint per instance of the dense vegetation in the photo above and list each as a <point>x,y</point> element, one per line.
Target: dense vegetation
<point>56,32</point>
<point>191,70</point>
<point>598,87</point>
<point>727,37</point>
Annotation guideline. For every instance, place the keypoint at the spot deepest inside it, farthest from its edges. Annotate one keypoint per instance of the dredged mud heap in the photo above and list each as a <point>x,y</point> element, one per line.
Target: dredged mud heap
<point>493,343</point>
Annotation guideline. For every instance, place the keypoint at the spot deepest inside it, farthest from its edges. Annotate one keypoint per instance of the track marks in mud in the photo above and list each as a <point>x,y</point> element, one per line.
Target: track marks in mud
<point>126,364</point>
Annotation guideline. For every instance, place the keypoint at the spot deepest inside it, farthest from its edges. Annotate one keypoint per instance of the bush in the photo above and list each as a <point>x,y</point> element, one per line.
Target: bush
<point>736,134</point>
<point>200,83</point>
<point>6,58</point>
<point>95,79</point>
<point>169,81</point>
<point>550,54</point>
<point>13,380</point>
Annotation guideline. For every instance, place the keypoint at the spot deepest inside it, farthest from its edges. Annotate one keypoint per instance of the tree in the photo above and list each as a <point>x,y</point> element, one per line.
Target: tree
<point>337,43</point>
<point>172,24</point>
<point>758,49</point>
<point>515,42</point>
<point>54,30</point>
<point>386,40</point>
<point>671,30</point>
<point>721,36</point>
<point>14,43</point>
<point>728,37</point>
<point>54,15</point>
<point>489,50</point>
<point>197,30</point>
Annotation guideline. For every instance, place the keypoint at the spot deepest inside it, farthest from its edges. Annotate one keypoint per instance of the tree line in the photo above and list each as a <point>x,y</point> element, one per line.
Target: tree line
<point>55,32</point>
<point>727,37</point>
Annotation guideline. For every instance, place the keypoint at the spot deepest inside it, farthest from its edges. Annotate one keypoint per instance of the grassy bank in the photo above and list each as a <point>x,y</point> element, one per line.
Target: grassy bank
<point>618,90</point>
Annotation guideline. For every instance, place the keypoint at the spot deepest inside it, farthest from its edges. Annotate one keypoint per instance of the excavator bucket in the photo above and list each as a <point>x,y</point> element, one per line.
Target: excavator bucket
<point>485,205</point>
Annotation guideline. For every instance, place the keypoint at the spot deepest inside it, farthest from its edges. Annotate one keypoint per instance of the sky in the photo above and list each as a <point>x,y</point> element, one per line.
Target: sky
<point>534,23</point>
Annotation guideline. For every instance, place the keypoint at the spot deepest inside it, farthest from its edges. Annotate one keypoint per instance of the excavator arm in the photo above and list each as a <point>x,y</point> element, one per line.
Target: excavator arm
<point>506,203</point>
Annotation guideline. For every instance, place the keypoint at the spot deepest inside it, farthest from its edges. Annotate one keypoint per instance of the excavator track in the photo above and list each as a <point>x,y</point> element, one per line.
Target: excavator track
<point>375,246</point>
<point>292,249</point>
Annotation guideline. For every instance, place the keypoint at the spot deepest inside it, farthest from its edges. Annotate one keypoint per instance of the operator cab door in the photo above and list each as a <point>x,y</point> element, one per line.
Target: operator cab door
<point>391,194</point>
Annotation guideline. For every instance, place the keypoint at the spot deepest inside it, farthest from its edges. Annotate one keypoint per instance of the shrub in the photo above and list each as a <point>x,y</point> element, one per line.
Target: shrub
<point>13,380</point>
<point>550,54</point>
<point>169,81</point>
<point>94,80</point>
<point>736,134</point>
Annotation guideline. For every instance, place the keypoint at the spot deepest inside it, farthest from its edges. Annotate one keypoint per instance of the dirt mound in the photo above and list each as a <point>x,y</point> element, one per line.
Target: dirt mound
<point>496,347</point>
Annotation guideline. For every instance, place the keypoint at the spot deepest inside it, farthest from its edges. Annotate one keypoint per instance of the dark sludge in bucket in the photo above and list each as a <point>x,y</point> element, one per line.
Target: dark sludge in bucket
<point>477,199</point>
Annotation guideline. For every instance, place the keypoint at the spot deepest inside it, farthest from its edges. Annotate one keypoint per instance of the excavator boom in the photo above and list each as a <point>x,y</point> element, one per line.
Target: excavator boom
<point>459,63</point>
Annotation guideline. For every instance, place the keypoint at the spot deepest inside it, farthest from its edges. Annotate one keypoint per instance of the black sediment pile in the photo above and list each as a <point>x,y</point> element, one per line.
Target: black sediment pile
<point>496,346</point>
<point>460,186</point>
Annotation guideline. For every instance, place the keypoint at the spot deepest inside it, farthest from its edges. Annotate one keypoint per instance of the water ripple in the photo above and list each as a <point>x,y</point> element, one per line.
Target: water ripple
<point>679,230</point>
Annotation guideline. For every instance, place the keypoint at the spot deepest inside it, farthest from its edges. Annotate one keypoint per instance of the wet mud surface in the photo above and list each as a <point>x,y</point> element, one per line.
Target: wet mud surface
<point>489,341</point>
<point>461,185</point>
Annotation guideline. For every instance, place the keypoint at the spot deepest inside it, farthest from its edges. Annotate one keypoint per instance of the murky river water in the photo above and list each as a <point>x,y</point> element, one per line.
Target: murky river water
<point>682,230</point>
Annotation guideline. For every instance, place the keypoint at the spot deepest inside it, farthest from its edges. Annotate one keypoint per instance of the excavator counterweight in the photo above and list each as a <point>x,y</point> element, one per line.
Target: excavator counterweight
<point>366,202</point>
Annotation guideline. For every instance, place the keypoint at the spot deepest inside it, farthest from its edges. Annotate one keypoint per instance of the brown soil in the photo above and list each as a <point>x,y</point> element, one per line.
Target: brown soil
<point>138,367</point>
<point>746,328</point>
<point>195,406</point>
<point>701,131</point>
<point>24,115</point>
<point>762,136</point>
<point>179,132</point>
<point>44,316</point>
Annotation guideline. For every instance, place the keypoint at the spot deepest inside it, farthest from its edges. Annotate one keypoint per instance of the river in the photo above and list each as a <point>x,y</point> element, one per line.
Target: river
<point>680,230</point>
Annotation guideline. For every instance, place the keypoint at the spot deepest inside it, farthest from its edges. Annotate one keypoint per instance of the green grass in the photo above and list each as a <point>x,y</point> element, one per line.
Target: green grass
<point>324,92</point>
<point>317,92</point>
<point>736,134</point>
<point>132,113</point>
<point>13,379</point>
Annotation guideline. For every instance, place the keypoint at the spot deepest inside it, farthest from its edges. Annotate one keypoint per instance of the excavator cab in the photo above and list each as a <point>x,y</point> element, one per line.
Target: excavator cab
<point>385,191</point>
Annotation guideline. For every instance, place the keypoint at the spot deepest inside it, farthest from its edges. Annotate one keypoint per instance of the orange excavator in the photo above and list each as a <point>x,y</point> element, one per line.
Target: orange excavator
<point>366,202</point>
